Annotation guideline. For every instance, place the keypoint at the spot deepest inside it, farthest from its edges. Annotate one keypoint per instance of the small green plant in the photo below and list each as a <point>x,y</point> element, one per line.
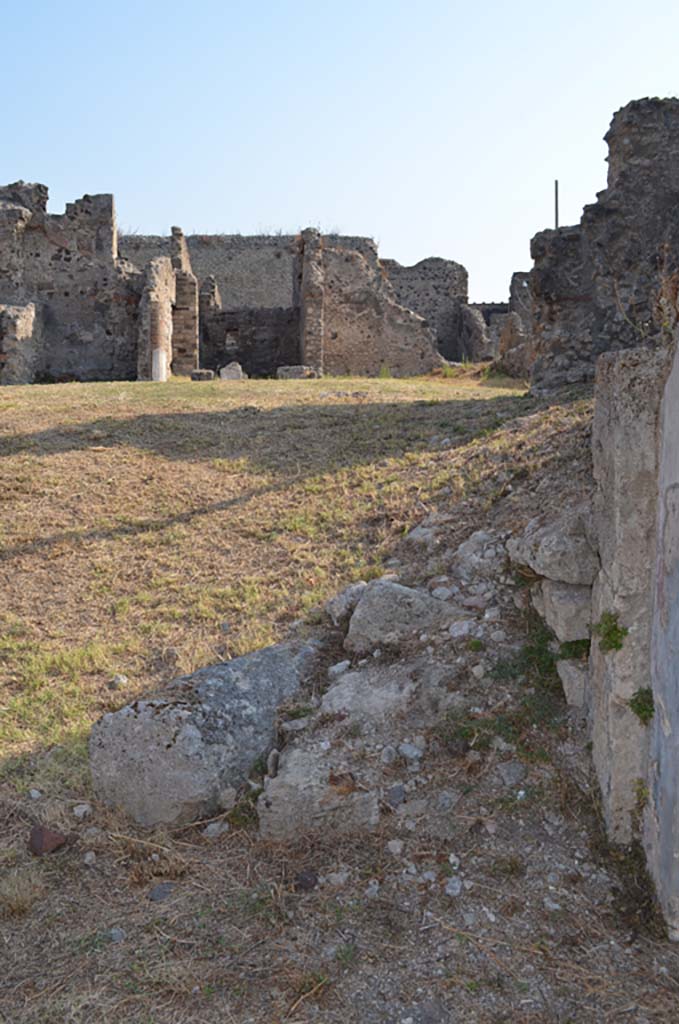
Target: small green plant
<point>641,703</point>
<point>385,372</point>
<point>611,634</point>
<point>346,955</point>
<point>575,650</point>
<point>475,645</point>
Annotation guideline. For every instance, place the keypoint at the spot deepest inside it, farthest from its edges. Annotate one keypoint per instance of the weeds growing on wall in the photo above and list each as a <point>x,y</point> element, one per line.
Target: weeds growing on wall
<point>611,634</point>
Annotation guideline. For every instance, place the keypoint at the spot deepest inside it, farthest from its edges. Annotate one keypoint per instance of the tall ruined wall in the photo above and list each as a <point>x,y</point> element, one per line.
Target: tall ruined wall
<point>66,264</point>
<point>250,271</point>
<point>596,287</point>
<point>364,328</point>
<point>435,289</point>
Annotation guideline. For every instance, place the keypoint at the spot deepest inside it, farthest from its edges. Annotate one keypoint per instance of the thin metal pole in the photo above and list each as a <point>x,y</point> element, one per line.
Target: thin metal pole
<point>556,204</point>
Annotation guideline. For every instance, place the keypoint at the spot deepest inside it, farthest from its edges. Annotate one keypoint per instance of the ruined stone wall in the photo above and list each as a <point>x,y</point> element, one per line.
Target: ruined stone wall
<point>250,270</point>
<point>66,264</point>
<point>597,287</point>
<point>365,330</point>
<point>260,340</point>
<point>435,289</point>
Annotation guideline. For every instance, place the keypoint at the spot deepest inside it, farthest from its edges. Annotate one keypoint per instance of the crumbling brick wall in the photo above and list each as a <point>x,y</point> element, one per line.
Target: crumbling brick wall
<point>185,312</point>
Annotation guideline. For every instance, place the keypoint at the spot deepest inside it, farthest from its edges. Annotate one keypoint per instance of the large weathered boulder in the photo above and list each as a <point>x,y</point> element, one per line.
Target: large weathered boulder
<point>560,550</point>
<point>389,613</point>
<point>307,795</point>
<point>183,756</point>
<point>232,371</point>
<point>566,608</point>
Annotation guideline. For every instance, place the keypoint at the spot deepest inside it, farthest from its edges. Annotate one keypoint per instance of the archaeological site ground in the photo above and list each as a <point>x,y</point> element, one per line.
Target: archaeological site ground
<point>339,633</point>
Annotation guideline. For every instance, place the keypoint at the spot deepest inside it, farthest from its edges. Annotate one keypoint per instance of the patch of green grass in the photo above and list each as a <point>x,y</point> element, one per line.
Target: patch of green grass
<point>474,644</point>
<point>347,954</point>
<point>611,634</point>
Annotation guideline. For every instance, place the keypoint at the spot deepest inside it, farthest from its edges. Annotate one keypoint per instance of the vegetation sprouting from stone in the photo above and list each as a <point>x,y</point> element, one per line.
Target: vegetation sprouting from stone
<point>574,650</point>
<point>641,703</point>
<point>611,634</point>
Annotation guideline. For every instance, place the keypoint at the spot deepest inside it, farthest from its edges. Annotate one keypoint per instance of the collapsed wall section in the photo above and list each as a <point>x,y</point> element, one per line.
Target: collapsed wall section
<point>364,329</point>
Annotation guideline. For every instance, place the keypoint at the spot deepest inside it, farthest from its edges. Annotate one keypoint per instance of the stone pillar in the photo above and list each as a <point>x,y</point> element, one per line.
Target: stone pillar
<point>311,300</point>
<point>154,345</point>
<point>185,313</point>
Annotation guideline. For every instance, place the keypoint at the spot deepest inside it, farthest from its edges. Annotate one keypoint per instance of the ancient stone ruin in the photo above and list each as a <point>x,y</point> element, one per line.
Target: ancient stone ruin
<point>608,282</point>
<point>80,302</point>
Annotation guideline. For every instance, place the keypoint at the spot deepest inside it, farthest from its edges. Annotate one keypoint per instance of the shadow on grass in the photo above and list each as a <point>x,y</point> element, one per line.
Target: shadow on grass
<point>282,445</point>
<point>296,441</point>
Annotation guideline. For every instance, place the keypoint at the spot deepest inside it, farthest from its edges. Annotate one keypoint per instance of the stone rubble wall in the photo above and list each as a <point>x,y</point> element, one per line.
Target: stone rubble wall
<point>261,340</point>
<point>251,271</point>
<point>613,576</point>
<point>66,265</point>
<point>602,285</point>
<point>364,329</point>
<point>435,289</point>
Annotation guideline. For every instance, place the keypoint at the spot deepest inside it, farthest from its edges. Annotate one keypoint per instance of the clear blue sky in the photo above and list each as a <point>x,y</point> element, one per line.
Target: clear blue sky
<point>435,126</point>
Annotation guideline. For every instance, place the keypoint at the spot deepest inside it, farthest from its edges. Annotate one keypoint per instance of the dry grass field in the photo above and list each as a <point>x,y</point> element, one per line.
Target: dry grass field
<point>147,530</point>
